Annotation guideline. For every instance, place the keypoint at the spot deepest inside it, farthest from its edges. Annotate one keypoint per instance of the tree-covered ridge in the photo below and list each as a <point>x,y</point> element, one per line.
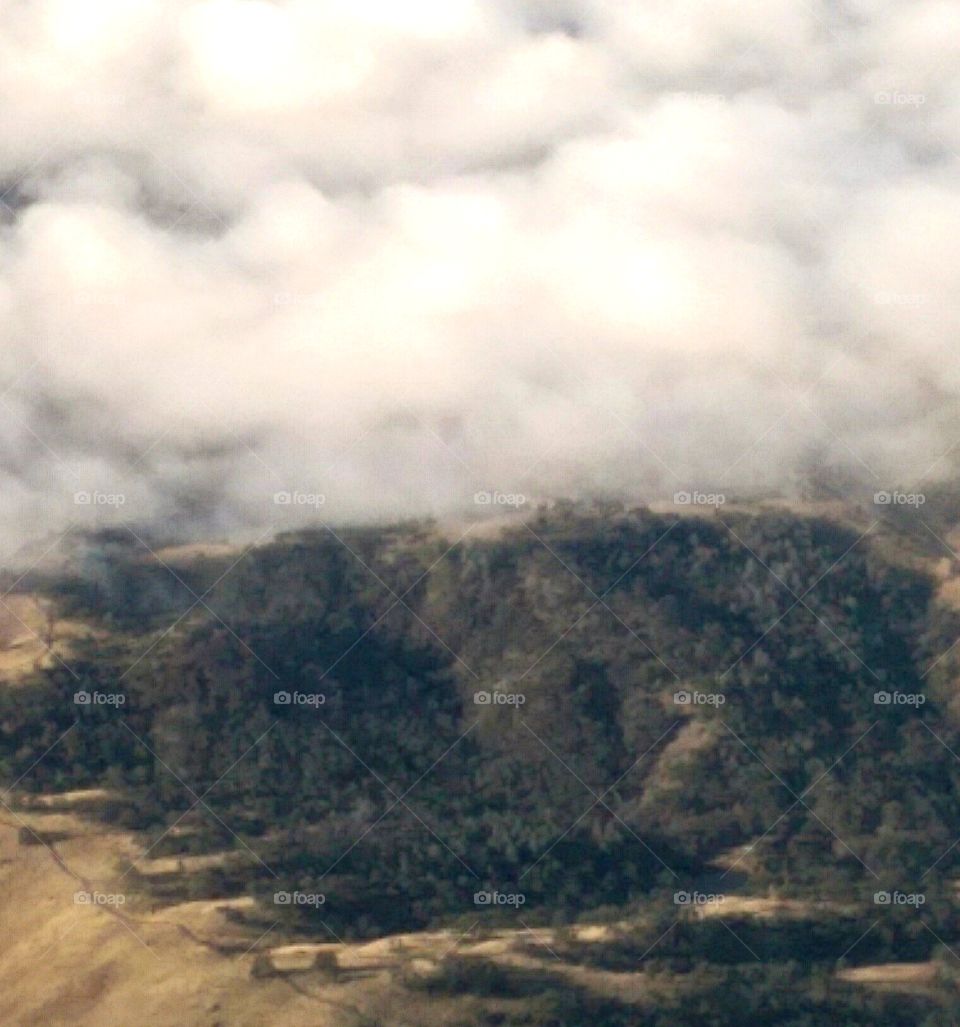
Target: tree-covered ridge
<point>400,797</point>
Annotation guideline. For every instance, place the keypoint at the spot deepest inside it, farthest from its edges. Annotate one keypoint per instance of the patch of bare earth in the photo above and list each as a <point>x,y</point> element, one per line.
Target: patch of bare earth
<point>115,957</point>
<point>33,637</point>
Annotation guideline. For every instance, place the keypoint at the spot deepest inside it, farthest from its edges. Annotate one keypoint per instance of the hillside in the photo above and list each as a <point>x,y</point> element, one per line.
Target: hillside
<point>576,717</point>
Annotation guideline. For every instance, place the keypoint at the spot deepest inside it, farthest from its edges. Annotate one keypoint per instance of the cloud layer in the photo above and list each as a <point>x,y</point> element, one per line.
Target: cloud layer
<point>393,254</point>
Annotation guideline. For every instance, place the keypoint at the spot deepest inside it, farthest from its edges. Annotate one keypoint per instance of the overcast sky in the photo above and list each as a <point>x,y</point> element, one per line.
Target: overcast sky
<point>394,253</point>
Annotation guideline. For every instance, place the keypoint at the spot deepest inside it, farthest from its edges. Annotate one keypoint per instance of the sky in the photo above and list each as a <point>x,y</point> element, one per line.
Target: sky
<point>386,259</point>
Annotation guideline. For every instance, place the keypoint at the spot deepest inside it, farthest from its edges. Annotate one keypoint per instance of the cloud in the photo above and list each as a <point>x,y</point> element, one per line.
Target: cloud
<point>392,254</point>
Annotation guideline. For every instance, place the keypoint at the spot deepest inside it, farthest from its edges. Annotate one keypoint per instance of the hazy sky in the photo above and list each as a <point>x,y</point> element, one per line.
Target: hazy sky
<point>395,253</point>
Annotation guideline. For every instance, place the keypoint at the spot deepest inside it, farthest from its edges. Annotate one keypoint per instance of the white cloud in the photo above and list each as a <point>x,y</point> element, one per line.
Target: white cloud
<point>398,252</point>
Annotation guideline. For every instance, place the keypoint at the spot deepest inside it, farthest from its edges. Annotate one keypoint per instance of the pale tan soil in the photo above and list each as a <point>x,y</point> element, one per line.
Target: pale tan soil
<point>110,965</point>
<point>769,908</point>
<point>891,973</point>
<point>188,965</point>
<point>23,634</point>
<point>899,974</point>
<point>187,554</point>
<point>69,965</point>
<point>66,801</point>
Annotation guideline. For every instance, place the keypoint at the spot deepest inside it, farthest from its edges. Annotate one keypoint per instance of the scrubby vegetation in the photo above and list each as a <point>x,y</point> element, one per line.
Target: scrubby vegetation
<point>783,994</point>
<point>398,797</point>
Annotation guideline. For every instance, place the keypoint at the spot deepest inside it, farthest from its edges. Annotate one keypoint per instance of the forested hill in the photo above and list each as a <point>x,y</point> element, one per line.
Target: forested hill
<point>586,710</point>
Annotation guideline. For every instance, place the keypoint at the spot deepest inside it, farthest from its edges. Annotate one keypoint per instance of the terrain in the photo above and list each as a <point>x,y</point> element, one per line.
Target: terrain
<point>584,764</point>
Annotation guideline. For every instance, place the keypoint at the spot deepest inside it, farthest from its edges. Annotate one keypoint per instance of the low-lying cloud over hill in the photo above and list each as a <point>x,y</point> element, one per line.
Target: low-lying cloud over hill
<point>381,256</point>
